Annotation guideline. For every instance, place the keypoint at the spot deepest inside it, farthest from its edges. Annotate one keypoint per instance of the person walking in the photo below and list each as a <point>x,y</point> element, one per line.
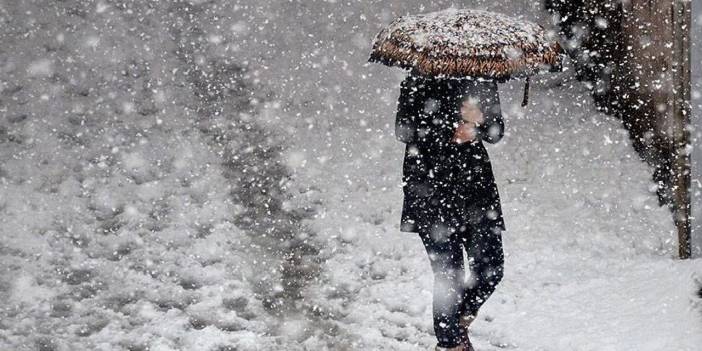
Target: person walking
<point>450,197</point>
<point>448,106</point>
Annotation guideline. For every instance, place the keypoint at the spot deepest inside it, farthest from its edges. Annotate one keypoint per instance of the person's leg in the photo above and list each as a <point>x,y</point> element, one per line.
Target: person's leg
<point>486,259</point>
<point>446,257</point>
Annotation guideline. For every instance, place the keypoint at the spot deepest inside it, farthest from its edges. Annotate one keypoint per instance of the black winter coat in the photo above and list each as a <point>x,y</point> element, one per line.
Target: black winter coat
<point>447,186</point>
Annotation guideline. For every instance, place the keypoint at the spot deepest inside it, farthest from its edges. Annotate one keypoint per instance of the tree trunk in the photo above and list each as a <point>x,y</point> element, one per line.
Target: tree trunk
<point>682,20</point>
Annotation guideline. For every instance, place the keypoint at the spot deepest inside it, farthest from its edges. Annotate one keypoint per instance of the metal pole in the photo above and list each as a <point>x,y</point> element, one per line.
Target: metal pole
<point>682,20</point>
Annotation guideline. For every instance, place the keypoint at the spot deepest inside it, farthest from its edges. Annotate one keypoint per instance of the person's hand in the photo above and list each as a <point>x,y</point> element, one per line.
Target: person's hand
<point>464,132</point>
<point>470,112</point>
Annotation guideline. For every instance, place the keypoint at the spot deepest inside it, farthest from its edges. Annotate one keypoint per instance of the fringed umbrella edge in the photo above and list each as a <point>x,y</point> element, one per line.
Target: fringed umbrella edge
<point>492,66</point>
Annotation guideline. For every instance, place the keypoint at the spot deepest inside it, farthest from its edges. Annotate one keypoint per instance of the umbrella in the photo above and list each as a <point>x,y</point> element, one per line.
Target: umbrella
<point>467,43</point>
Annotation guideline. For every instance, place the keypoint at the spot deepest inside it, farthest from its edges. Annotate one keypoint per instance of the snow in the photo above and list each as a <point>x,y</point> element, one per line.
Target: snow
<point>129,221</point>
<point>467,32</point>
<point>589,252</point>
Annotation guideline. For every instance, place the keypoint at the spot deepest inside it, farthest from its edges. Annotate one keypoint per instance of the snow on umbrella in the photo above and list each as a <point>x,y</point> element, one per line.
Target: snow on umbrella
<point>467,43</point>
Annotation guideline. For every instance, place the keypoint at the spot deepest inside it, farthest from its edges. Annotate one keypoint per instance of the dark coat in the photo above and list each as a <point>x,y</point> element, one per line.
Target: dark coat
<point>447,185</point>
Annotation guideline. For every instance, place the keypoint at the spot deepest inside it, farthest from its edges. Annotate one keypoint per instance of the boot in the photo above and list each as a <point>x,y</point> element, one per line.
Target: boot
<point>465,342</point>
<point>466,320</point>
<point>455,348</point>
<point>464,323</point>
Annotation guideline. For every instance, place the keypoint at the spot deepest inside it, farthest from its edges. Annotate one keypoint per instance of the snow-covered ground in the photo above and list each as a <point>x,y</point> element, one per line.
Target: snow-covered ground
<point>128,219</point>
<point>589,254</point>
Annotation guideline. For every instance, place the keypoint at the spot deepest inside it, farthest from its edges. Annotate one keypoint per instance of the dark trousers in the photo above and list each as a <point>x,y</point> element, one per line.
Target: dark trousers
<point>456,294</point>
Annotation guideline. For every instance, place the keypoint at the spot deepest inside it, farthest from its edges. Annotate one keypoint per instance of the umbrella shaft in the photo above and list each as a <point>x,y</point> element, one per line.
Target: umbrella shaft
<point>525,100</point>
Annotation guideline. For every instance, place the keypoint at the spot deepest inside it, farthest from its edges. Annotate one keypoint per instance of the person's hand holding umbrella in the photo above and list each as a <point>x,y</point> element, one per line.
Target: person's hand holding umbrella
<point>467,128</point>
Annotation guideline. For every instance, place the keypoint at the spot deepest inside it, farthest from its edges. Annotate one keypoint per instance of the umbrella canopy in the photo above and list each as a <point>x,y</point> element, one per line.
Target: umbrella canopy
<point>462,43</point>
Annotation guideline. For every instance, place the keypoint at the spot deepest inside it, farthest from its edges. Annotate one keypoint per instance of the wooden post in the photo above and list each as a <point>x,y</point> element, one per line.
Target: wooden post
<point>681,22</point>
